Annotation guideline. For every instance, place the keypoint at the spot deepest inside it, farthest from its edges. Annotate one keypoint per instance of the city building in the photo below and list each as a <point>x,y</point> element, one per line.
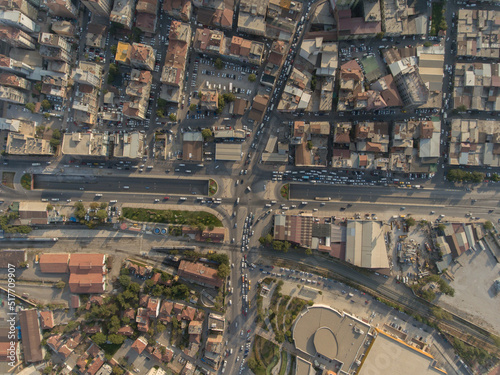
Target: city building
<point>478,33</point>
<point>87,273</point>
<point>62,8</point>
<point>474,142</point>
<point>311,143</point>
<point>9,79</point>
<point>199,274</point>
<point>21,5</point>
<point>209,41</point>
<point>334,339</point>
<point>64,28</point>
<point>209,100</point>
<point>33,350</point>
<point>14,66</point>
<point>99,7</point>
<point>147,19</point>
<point>55,85</point>
<point>192,146</point>
<point>128,145</point>
<point>259,106</point>
<point>54,263</point>
<point>123,13</point>
<point>17,19</point>
<point>32,213</point>
<point>85,144</point>
<point>88,73</point>
<point>96,35</point>
<point>16,38</point>
<point>228,151</point>
<point>252,17</point>
<point>411,87</point>
<point>180,9</point>
<point>13,95</point>
<point>351,84</point>
<point>138,90</point>
<point>476,87</point>
<point>387,354</point>
<point>244,50</point>
<point>54,47</point>
<point>365,244</point>
<point>404,18</point>
<point>350,27</point>
<point>297,94</point>
<point>173,70</point>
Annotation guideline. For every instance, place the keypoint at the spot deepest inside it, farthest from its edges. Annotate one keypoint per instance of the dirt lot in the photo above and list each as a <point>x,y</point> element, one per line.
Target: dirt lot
<point>474,295</point>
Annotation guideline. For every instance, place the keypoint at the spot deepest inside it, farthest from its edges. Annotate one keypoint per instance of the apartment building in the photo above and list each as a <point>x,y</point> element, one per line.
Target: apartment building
<point>478,33</point>
<point>55,85</point>
<point>142,56</point>
<point>99,7</point>
<point>252,17</point>
<point>209,41</point>
<point>21,5</point>
<point>138,90</point>
<point>54,47</point>
<point>18,20</point>
<point>411,87</point>
<point>147,11</point>
<point>16,38</point>
<point>88,73</point>
<point>180,9</point>
<point>14,66</point>
<point>22,144</point>
<point>62,8</point>
<point>11,80</point>
<point>64,28</point>
<point>123,13</point>
<point>13,95</point>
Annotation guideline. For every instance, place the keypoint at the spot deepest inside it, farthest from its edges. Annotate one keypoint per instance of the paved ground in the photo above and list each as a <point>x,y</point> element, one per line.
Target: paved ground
<point>474,295</point>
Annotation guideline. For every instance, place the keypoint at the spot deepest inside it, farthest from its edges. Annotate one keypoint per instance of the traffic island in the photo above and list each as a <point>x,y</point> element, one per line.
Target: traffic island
<point>27,181</point>
<point>285,191</point>
<point>213,187</point>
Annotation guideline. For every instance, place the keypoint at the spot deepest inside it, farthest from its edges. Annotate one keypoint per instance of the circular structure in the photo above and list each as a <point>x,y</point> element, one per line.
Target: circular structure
<point>329,335</point>
<point>325,343</point>
<point>163,231</point>
<point>157,231</point>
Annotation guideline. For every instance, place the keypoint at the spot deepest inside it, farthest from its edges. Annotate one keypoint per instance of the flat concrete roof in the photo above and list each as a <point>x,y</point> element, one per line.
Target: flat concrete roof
<point>333,335</point>
<point>388,355</point>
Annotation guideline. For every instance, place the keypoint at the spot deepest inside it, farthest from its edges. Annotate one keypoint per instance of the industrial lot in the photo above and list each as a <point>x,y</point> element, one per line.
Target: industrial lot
<point>249,187</point>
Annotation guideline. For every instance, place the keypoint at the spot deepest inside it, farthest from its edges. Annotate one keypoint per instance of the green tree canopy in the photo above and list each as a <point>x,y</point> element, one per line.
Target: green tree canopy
<point>223,271</point>
<point>99,338</point>
<point>46,104</point>
<point>219,64</point>
<point>206,133</point>
<point>252,77</point>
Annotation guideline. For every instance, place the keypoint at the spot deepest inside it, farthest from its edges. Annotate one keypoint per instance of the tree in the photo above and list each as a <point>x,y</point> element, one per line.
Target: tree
<point>206,133</point>
<point>102,215</point>
<point>124,281</point>
<point>46,104</point>
<point>160,113</point>
<point>441,227</point>
<point>228,97</point>
<point>46,115</point>
<point>172,117</point>
<point>50,207</point>
<point>309,252</point>
<point>252,77</point>
<point>114,48</point>
<point>192,107</point>
<point>410,222</point>
<point>162,103</point>
<point>103,205</point>
<point>99,338</point>
<point>309,145</point>
<point>223,271</point>
<point>60,284</point>
<point>380,35</point>
<point>38,86</point>
<point>461,108</point>
<point>219,64</point>
<point>428,44</point>
<point>488,225</point>
<point>116,339</point>
<point>30,106</point>
<point>118,371</point>
<point>56,134</point>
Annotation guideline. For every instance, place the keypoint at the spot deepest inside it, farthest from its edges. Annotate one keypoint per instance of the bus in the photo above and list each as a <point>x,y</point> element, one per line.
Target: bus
<point>230,87</point>
<point>323,199</point>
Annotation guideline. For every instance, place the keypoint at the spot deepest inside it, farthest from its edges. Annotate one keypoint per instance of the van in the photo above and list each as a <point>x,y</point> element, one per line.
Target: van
<point>113,201</point>
<point>182,198</point>
<point>238,200</point>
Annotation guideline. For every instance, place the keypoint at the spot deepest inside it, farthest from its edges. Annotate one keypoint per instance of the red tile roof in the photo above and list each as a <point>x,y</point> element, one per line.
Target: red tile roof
<point>139,345</point>
<point>47,319</point>
<point>87,263</point>
<point>86,283</point>
<point>54,263</point>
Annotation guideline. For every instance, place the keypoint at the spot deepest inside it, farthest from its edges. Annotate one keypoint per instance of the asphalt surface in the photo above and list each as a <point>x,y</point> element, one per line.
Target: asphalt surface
<point>115,184</point>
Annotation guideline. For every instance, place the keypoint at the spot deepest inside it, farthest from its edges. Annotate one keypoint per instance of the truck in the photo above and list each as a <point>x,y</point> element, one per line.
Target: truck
<point>238,200</point>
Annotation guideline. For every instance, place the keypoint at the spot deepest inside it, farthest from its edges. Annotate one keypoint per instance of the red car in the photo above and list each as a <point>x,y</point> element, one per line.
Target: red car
<point>166,198</point>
